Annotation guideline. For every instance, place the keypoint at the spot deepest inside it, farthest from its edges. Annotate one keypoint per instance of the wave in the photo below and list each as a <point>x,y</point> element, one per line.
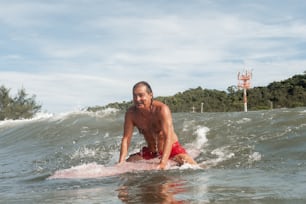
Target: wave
<point>246,155</point>
<point>48,142</point>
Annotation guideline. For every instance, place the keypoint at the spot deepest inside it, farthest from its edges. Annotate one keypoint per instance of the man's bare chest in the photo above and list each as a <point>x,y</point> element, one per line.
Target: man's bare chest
<point>148,125</point>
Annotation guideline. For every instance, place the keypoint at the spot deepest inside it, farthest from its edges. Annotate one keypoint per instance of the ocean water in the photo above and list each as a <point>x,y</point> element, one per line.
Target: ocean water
<point>253,157</point>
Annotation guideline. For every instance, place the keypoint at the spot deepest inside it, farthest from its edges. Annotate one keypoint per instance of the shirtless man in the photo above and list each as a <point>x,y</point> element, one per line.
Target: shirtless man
<point>153,119</point>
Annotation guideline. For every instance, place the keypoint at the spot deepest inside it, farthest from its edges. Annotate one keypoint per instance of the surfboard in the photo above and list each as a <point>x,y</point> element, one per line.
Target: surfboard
<point>94,170</point>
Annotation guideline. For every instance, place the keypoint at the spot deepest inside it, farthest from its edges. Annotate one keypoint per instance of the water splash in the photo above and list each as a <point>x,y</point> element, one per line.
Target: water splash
<point>201,139</point>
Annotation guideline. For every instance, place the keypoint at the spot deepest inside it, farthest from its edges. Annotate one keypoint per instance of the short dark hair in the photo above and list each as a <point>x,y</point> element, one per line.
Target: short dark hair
<point>144,83</point>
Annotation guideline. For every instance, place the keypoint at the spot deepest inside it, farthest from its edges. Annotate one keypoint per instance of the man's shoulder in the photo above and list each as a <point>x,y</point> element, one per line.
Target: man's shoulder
<point>131,109</point>
<point>130,113</point>
<point>159,103</point>
<point>161,106</point>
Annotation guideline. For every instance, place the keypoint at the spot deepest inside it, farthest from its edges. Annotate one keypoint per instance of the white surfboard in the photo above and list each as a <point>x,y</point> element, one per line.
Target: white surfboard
<point>94,170</point>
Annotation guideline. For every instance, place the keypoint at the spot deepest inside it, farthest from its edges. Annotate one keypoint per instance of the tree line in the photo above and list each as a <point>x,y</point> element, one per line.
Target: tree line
<point>289,93</point>
<point>20,106</point>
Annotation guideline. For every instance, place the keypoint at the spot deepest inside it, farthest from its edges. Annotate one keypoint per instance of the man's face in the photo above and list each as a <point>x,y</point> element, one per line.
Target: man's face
<point>141,98</point>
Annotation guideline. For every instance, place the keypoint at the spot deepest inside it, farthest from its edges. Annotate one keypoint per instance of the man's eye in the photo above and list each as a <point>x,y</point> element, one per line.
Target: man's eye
<point>138,95</point>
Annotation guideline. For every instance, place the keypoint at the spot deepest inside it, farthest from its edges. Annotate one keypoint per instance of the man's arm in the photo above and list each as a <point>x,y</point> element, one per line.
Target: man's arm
<point>167,131</point>
<point>127,135</point>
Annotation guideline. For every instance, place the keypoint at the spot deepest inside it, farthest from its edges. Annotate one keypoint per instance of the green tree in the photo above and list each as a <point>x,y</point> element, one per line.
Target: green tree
<point>6,102</point>
<point>20,106</point>
<point>288,93</point>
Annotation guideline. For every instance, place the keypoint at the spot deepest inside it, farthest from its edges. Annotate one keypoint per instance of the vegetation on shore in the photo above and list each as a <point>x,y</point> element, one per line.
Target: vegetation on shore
<point>22,106</point>
<point>289,93</point>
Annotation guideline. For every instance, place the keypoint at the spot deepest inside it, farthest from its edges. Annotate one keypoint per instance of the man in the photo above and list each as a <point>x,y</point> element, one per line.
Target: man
<point>153,119</point>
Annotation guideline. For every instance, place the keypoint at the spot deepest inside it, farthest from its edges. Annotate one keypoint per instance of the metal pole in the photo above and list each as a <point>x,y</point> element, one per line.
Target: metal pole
<point>245,100</point>
<point>245,84</point>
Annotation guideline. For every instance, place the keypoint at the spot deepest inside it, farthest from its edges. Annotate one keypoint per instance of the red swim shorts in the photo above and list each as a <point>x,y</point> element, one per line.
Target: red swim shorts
<point>176,149</point>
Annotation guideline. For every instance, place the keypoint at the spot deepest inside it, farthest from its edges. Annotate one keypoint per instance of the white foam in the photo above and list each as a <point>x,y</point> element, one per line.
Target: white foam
<point>186,166</point>
<point>84,152</point>
<point>100,114</point>
<point>302,112</point>
<point>109,111</point>
<point>222,155</point>
<point>187,125</point>
<point>103,113</point>
<point>256,156</point>
<point>244,120</point>
<point>201,132</point>
<point>37,117</point>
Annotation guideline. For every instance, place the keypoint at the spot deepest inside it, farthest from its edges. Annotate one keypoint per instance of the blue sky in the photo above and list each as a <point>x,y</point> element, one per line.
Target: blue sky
<point>77,53</point>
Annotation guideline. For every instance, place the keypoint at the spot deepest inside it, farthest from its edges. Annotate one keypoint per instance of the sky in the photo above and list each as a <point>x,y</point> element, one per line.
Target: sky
<point>74,54</point>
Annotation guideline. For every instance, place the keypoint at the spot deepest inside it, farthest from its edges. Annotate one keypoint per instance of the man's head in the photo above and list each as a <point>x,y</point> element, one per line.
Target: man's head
<point>143,83</point>
<point>142,94</point>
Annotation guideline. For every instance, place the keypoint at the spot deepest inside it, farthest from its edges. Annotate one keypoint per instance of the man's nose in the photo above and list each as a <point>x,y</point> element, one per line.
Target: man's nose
<point>137,98</point>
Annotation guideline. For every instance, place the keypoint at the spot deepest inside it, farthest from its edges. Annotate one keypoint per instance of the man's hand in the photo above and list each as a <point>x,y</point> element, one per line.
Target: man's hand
<point>162,166</point>
<point>120,163</point>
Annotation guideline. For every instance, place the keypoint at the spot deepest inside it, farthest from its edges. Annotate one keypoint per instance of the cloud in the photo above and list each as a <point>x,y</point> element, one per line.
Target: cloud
<point>28,14</point>
<point>65,89</point>
<point>79,53</point>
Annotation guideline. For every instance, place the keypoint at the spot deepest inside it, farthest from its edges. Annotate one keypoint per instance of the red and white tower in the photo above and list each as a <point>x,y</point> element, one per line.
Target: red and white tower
<point>244,82</point>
